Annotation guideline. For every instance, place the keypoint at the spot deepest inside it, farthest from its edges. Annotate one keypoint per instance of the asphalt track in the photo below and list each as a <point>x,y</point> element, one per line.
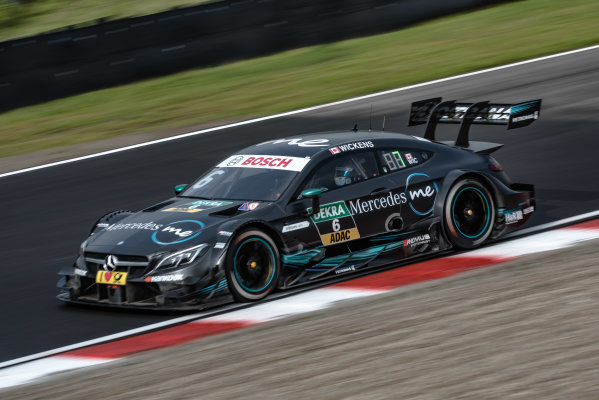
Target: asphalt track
<point>45,214</point>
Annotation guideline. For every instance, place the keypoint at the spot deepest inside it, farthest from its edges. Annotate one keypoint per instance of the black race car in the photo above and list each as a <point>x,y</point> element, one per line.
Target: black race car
<point>288,212</point>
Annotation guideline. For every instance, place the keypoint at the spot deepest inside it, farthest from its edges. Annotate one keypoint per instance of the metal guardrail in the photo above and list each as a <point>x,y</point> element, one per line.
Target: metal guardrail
<point>53,65</point>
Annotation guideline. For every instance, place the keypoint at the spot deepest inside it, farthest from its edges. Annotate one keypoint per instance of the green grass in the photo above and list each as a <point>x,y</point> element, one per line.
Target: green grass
<point>308,76</point>
<point>37,16</point>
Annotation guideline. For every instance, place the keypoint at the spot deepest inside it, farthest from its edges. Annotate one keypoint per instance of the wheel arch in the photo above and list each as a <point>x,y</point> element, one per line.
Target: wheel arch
<point>255,224</point>
<point>268,234</point>
<point>451,178</point>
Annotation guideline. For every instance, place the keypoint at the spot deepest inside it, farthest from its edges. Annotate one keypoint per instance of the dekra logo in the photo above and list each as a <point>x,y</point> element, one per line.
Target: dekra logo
<point>330,211</point>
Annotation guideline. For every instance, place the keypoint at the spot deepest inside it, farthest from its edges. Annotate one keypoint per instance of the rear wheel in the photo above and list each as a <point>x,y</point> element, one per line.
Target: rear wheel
<point>252,266</point>
<point>469,213</point>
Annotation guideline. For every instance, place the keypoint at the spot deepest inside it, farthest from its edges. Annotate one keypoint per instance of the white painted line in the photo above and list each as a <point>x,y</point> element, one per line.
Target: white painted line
<point>65,73</point>
<point>298,304</point>
<point>102,339</point>
<point>293,305</point>
<point>555,224</point>
<point>249,315</point>
<point>25,373</point>
<point>182,46</point>
<point>303,110</point>
<point>541,242</point>
<point>78,39</point>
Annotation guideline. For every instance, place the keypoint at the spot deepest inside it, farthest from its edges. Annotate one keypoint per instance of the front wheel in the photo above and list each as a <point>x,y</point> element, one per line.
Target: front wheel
<point>252,266</point>
<point>469,213</point>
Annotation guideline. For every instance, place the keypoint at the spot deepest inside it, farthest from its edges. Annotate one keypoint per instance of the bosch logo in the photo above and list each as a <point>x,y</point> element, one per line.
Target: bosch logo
<point>178,232</point>
<point>235,161</point>
<point>110,263</point>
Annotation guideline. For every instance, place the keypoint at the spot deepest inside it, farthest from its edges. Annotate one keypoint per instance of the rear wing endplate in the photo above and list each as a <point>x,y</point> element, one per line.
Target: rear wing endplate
<point>433,111</point>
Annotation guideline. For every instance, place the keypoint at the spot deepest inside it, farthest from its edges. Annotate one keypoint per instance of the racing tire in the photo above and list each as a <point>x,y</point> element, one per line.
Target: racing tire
<point>252,266</point>
<point>469,214</point>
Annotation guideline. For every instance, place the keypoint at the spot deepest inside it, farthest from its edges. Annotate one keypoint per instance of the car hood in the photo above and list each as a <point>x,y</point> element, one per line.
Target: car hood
<point>173,224</point>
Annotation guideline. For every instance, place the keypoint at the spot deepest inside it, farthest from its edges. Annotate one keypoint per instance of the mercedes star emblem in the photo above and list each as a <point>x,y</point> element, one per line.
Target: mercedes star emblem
<point>110,263</point>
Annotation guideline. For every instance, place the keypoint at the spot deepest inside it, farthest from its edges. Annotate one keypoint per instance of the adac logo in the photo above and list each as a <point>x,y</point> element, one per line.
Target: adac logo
<point>178,232</point>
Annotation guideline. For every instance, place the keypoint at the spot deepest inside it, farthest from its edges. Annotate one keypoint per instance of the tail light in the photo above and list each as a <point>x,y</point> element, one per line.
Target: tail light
<point>494,165</point>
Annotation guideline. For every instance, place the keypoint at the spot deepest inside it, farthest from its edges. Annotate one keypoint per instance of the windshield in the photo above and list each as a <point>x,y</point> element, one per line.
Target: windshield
<point>241,184</point>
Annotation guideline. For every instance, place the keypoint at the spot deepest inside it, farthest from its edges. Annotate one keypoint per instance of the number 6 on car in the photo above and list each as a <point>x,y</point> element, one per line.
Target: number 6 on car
<point>336,225</point>
<point>293,211</point>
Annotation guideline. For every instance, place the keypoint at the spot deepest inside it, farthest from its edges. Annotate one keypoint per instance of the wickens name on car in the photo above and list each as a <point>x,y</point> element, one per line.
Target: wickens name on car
<point>351,146</point>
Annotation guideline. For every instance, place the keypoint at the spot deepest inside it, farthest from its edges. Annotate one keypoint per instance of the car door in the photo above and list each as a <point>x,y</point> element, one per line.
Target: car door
<point>346,181</point>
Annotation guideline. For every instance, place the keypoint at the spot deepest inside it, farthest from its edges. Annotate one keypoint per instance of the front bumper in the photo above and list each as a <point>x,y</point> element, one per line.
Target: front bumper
<point>80,287</point>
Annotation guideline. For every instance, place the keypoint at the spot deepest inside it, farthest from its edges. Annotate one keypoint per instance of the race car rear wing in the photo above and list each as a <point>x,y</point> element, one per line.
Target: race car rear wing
<point>433,111</point>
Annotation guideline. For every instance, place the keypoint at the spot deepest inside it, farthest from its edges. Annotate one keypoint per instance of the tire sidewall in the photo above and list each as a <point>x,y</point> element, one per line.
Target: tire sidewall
<point>455,236</point>
<point>235,287</point>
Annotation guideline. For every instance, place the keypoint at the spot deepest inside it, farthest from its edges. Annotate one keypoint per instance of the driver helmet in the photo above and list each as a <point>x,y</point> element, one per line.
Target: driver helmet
<point>344,175</point>
<point>347,173</point>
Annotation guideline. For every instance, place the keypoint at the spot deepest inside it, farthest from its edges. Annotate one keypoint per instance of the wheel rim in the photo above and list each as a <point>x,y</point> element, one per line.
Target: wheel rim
<point>471,212</point>
<point>254,265</point>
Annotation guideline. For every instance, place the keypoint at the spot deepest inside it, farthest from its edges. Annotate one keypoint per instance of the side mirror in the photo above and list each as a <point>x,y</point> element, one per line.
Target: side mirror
<point>179,188</point>
<point>314,195</point>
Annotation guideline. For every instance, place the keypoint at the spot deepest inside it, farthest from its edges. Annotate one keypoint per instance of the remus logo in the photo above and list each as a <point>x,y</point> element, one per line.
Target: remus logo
<point>178,232</point>
<point>330,211</point>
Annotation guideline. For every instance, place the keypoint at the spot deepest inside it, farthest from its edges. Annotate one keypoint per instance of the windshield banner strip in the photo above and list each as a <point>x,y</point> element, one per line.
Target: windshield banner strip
<point>285,163</point>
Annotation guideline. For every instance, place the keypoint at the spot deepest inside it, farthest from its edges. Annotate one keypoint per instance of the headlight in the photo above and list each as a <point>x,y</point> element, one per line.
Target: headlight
<point>82,247</point>
<point>182,257</point>
<point>80,261</point>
